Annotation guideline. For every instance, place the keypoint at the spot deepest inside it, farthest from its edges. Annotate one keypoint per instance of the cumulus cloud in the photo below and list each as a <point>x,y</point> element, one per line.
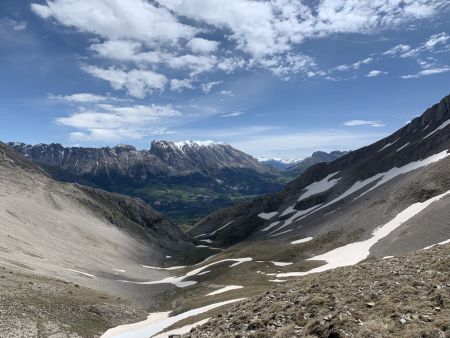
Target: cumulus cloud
<point>375,73</point>
<point>137,82</point>
<point>106,121</point>
<point>162,36</point>
<point>207,87</point>
<point>369,123</point>
<point>202,46</point>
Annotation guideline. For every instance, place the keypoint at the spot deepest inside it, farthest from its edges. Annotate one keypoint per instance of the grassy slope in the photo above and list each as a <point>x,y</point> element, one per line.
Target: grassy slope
<point>36,306</point>
<point>398,297</point>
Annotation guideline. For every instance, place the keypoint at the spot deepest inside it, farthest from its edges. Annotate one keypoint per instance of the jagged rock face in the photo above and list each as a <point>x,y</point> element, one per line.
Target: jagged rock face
<point>163,159</point>
<point>354,194</point>
<point>185,180</point>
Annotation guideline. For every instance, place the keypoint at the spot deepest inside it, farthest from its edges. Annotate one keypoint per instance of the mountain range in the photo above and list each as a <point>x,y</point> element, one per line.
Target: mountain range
<point>296,167</point>
<point>185,180</point>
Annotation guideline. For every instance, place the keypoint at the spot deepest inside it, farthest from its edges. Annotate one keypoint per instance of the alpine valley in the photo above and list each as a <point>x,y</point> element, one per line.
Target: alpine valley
<point>358,246</point>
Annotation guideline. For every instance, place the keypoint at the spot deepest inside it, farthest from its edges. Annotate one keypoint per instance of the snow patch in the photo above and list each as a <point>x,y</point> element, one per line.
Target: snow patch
<point>442,126</point>
<point>168,269</point>
<point>320,186</point>
<point>182,330</point>
<point>302,240</point>
<point>180,281</point>
<point>403,147</point>
<point>388,145</point>
<point>273,224</point>
<point>267,215</point>
<point>225,289</point>
<point>277,280</point>
<point>354,253</point>
<point>282,263</point>
<point>157,322</point>
<point>82,273</point>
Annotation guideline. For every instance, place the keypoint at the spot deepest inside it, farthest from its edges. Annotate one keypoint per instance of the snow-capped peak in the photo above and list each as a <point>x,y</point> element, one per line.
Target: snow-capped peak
<point>189,143</point>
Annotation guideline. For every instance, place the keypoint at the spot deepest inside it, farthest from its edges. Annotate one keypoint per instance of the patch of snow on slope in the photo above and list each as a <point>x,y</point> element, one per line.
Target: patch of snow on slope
<point>222,227</point>
<point>180,281</point>
<point>182,330</point>
<point>225,289</point>
<point>440,243</point>
<point>388,145</point>
<point>354,253</point>
<point>82,273</point>
<point>281,263</point>
<point>320,186</point>
<point>289,210</point>
<point>403,147</point>
<point>277,280</point>
<point>157,322</point>
<point>273,224</point>
<point>168,269</point>
<point>298,215</point>
<point>302,240</point>
<point>442,126</point>
<point>267,215</point>
<point>382,178</point>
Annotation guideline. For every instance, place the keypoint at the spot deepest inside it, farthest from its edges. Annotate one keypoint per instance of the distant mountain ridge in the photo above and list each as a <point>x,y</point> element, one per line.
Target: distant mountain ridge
<point>295,167</point>
<point>185,178</point>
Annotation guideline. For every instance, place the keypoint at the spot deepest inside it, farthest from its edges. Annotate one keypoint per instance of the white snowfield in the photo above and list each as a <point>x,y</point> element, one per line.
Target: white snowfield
<point>180,281</point>
<point>302,240</point>
<point>267,215</point>
<point>388,145</point>
<point>320,186</point>
<point>225,289</point>
<point>354,253</point>
<point>157,322</point>
<point>442,126</point>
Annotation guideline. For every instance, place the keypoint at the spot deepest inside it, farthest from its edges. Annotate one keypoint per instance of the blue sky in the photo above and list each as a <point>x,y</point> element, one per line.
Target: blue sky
<point>278,78</point>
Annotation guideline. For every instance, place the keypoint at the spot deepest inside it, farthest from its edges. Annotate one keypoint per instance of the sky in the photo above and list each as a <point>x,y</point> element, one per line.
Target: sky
<point>276,79</point>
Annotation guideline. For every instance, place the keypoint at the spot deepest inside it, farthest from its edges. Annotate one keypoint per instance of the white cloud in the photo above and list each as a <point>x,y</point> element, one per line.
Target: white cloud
<point>437,39</point>
<point>355,66</point>
<point>202,46</point>
<point>137,82</point>
<point>116,19</point>
<point>370,123</point>
<point>81,98</point>
<point>206,87</point>
<point>179,85</point>
<point>232,114</point>
<point>375,73</point>
<point>427,72</point>
<point>110,122</point>
<point>162,34</point>
<point>226,93</point>
<point>400,49</point>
